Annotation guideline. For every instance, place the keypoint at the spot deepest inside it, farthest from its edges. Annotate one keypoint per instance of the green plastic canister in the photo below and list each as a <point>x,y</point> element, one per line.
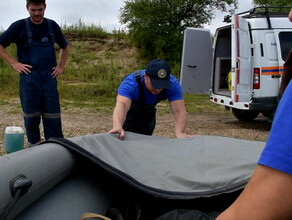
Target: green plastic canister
<point>13,139</point>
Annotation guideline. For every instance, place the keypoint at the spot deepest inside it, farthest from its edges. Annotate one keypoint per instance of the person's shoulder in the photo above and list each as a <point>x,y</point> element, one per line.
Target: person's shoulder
<point>128,86</point>
<point>130,77</point>
<point>16,27</point>
<point>172,77</point>
<point>18,23</point>
<point>174,92</point>
<point>53,22</point>
<point>129,81</point>
<point>174,81</point>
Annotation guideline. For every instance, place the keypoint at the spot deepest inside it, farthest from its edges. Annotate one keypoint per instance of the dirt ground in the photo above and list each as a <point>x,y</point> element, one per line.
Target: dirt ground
<point>77,122</point>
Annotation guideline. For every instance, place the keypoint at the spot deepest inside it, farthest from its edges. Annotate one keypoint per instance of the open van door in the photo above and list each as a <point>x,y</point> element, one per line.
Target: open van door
<point>196,65</point>
<point>241,60</point>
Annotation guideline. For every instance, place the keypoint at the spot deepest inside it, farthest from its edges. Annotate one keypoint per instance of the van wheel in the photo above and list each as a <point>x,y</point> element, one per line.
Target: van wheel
<point>245,115</point>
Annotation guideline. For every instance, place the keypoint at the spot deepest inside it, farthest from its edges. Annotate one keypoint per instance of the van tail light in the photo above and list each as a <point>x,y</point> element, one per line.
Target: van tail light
<point>256,78</point>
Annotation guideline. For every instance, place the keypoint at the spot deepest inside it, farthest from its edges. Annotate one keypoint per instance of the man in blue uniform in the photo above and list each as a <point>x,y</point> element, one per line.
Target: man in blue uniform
<point>268,194</point>
<point>287,72</point>
<point>36,62</point>
<point>138,95</point>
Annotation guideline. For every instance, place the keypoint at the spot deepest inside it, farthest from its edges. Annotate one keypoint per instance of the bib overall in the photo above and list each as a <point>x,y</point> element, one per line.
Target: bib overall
<point>141,118</point>
<point>38,90</point>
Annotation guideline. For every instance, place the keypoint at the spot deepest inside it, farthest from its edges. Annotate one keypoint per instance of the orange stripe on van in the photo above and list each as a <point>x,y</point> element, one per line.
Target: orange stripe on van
<point>274,70</point>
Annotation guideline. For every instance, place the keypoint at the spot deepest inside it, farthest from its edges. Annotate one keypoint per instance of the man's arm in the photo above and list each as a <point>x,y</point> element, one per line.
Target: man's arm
<point>123,105</point>
<point>62,63</point>
<point>17,66</point>
<point>287,73</point>
<point>266,196</point>
<point>290,15</point>
<point>180,118</point>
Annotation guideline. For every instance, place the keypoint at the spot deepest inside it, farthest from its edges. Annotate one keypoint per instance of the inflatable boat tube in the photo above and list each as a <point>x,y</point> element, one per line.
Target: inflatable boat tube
<point>92,173</point>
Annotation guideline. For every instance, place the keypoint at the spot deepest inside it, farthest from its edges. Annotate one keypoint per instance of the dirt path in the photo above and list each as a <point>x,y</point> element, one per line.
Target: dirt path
<point>82,121</point>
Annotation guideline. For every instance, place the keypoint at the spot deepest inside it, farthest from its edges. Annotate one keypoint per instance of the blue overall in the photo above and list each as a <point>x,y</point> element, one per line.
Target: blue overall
<point>38,90</point>
<point>141,118</point>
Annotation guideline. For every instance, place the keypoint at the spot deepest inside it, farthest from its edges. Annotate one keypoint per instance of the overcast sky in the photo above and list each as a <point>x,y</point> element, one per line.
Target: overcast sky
<point>99,12</point>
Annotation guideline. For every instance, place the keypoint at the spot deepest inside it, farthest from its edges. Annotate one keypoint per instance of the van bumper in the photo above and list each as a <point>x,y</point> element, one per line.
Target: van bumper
<point>266,104</point>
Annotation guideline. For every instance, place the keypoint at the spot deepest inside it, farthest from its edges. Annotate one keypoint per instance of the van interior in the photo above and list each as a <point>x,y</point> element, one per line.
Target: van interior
<point>222,61</point>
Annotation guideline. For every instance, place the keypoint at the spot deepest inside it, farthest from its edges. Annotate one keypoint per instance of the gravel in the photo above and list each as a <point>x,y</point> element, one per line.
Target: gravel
<point>78,122</point>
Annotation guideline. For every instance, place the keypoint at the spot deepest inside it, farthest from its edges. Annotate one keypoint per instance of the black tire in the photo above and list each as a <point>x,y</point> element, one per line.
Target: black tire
<point>245,115</point>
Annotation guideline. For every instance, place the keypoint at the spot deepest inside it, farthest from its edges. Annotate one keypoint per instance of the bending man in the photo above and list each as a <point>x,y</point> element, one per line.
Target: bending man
<point>138,95</point>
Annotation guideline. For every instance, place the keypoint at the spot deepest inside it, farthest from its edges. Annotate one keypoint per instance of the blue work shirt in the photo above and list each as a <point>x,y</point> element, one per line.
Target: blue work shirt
<point>129,88</point>
<point>17,33</point>
<point>277,153</point>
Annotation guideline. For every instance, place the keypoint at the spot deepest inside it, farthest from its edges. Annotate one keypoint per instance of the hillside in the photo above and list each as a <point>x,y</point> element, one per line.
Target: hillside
<point>88,87</point>
<point>106,49</point>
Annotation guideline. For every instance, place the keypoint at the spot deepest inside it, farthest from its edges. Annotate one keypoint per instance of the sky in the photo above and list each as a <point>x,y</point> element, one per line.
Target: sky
<point>104,13</point>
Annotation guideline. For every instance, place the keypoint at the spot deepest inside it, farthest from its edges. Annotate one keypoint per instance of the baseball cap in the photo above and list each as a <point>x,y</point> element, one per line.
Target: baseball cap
<point>159,73</point>
<point>35,1</point>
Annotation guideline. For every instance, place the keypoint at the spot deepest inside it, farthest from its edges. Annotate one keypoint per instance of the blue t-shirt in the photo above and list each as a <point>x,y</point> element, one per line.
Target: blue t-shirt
<point>129,88</point>
<point>277,153</point>
<point>17,33</point>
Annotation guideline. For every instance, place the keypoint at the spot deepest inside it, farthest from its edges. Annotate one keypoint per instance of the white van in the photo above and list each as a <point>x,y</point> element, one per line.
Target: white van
<point>242,69</point>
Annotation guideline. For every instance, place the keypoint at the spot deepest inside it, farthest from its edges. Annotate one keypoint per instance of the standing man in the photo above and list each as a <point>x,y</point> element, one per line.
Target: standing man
<point>35,38</point>
<point>138,95</point>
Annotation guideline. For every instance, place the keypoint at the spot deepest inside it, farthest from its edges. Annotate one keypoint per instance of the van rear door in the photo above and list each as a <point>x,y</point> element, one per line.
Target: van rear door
<point>241,60</point>
<point>196,65</point>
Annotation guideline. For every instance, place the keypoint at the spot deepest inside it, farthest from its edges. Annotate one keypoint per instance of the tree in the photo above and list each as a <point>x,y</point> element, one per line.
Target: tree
<point>273,2</point>
<point>156,26</point>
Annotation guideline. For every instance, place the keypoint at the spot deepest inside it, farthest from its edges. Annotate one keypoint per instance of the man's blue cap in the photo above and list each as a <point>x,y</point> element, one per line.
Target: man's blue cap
<point>159,73</point>
<point>35,1</point>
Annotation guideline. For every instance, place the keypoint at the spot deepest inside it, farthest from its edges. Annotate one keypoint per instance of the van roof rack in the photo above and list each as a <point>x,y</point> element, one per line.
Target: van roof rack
<point>263,11</point>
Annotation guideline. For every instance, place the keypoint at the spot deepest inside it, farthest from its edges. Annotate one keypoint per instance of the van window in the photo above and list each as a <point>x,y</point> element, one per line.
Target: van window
<point>285,43</point>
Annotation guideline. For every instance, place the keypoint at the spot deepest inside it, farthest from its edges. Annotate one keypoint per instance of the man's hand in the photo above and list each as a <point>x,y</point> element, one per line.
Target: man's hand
<point>119,131</point>
<point>56,72</point>
<point>183,135</point>
<point>123,105</point>
<point>21,68</point>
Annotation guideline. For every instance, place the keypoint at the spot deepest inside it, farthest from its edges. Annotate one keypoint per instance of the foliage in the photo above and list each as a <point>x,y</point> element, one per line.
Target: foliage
<point>156,26</point>
<point>273,2</point>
